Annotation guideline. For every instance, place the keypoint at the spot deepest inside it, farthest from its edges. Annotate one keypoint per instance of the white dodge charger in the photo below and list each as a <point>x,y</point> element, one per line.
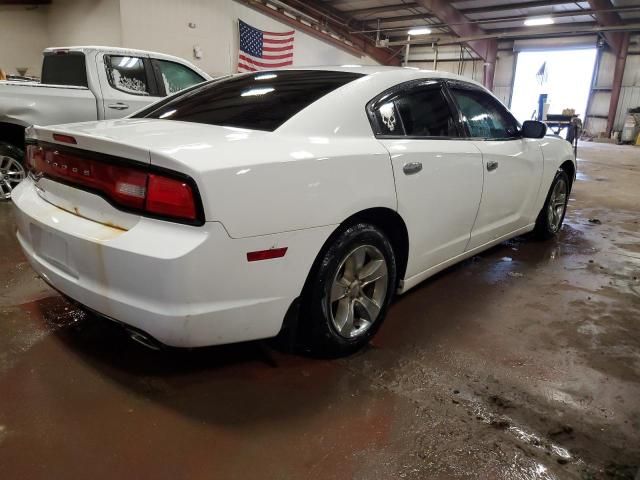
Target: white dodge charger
<point>291,201</point>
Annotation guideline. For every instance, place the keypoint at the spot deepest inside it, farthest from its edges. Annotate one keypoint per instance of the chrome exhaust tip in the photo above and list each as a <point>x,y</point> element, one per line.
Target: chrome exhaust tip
<point>143,339</point>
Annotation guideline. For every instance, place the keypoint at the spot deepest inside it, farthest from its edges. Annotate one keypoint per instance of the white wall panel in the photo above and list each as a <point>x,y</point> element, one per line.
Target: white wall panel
<point>165,28</point>
<point>84,22</point>
<point>23,36</point>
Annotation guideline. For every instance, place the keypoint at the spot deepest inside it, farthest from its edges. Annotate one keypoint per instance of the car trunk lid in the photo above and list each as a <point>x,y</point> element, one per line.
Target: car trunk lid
<point>129,143</point>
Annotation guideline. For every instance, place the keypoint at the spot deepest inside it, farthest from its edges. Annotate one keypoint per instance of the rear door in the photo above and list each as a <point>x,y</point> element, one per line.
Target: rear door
<point>127,84</point>
<point>438,173</point>
<point>512,164</point>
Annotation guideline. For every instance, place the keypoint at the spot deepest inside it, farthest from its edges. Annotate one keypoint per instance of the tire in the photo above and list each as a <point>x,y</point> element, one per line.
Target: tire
<point>12,170</point>
<point>339,326</point>
<point>550,218</point>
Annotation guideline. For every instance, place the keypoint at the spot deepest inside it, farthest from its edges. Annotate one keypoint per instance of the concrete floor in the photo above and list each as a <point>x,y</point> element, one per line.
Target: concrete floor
<point>521,363</point>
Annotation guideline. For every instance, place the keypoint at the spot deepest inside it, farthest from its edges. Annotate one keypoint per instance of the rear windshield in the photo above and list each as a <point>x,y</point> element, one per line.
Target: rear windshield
<point>258,101</point>
<point>64,69</point>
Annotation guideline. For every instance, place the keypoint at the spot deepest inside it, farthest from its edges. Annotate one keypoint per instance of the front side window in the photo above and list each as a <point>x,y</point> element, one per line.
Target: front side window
<point>484,115</point>
<point>127,74</point>
<point>176,77</point>
<point>259,101</point>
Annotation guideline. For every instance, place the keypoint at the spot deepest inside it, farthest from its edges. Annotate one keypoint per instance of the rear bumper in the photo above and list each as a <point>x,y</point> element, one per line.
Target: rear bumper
<point>185,286</point>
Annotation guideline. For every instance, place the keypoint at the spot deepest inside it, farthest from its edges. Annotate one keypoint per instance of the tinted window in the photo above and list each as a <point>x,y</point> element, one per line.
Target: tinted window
<point>425,113</point>
<point>260,101</point>
<point>484,115</point>
<point>127,74</point>
<point>64,69</point>
<point>176,77</point>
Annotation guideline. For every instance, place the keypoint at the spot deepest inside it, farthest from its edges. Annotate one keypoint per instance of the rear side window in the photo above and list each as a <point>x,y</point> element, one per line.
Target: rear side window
<point>419,110</point>
<point>176,77</point>
<point>484,115</point>
<point>258,101</point>
<point>127,74</point>
<point>64,69</point>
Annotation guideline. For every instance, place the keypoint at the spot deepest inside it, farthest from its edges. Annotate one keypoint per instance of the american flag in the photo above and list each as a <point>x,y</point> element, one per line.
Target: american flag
<point>261,50</point>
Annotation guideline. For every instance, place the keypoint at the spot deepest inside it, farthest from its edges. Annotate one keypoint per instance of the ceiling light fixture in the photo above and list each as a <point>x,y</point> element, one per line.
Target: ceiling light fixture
<point>536,22</point>
<point>419,31</point>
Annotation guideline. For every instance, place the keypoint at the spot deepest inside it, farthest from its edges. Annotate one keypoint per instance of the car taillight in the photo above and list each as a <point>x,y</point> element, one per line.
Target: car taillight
<point>168,196</point>
<point>132,187</point>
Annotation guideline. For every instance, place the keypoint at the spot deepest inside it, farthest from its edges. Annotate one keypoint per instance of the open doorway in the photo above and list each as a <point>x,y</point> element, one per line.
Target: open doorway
<point>564,76</point>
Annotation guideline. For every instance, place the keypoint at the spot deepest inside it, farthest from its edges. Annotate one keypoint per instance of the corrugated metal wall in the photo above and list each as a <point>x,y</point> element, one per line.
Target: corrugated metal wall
<point>630,93</point>
<point>473,69</point>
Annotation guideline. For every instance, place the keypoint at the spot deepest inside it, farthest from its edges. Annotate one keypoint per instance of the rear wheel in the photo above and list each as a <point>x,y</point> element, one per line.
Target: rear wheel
<point>349,292</point>
<point>552,214</point>
<point>12,171</point>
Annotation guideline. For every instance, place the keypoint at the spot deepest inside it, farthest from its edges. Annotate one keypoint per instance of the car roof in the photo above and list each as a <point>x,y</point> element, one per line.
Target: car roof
<point>399,73</point>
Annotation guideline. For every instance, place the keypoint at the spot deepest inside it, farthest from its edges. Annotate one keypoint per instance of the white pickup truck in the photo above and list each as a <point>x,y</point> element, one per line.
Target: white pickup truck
<point>83,84</point>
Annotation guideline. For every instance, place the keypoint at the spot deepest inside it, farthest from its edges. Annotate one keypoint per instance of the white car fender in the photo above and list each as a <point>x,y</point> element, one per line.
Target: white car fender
<point>556,152</point>
<point>331,180</point>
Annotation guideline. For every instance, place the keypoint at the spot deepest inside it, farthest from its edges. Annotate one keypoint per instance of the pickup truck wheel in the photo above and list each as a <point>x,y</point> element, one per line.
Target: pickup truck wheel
<point>350,292</point>
<point>12,171</point>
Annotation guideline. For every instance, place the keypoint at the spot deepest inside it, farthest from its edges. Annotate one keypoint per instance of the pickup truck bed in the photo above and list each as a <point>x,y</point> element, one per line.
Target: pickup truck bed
<point>84,84</point>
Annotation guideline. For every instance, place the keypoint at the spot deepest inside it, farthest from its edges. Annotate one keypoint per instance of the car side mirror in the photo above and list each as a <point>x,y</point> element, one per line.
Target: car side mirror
<point>533,129</point>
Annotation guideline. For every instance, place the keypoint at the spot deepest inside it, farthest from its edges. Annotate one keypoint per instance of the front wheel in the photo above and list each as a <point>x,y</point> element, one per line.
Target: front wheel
<point>552,214</point>
<point>349,292</point>
<point>12,171</point>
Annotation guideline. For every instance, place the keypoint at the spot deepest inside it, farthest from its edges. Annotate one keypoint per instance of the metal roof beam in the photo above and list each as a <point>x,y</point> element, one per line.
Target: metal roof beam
<point>606,19</point>
<point>381,9</point>
<point>459,25</point>
<point>334,21</point>
<point>510,18</point>
<point>524,29</point>
<point>486,48</point>
<point>405,18</point>
<point>522,33</point>
<point>514,6</point>
<point>564,13</point>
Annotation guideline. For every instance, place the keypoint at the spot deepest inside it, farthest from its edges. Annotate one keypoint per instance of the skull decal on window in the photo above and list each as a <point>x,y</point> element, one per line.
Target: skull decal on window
<point>388,116</point>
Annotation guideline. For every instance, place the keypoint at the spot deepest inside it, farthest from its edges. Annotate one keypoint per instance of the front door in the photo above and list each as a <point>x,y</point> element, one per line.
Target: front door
<point>512,165</point>
<point>438,174</point>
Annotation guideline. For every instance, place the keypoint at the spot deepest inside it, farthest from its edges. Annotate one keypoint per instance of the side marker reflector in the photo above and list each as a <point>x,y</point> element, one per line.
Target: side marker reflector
<point>266,254</point>
<point>58,137</point>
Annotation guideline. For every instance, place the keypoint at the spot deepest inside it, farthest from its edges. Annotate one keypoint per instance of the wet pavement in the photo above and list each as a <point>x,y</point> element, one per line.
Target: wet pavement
<point>521,363</point>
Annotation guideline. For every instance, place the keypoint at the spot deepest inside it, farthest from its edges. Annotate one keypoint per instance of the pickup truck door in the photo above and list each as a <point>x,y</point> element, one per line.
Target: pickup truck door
<point>128,83</point>
<point>512,165</point>
<point>173,76</point>
<point>438,173</point>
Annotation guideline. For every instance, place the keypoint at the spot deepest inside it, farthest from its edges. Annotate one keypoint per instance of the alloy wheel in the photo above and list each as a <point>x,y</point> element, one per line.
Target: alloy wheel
<point>358,291</point>
<point>557,205</point>
<point>11,174</point>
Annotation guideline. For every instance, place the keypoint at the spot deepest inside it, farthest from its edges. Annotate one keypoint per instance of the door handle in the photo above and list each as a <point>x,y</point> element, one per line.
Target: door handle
<point>411,168</point>
<point>118,106</point>
<point>492,165</point>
